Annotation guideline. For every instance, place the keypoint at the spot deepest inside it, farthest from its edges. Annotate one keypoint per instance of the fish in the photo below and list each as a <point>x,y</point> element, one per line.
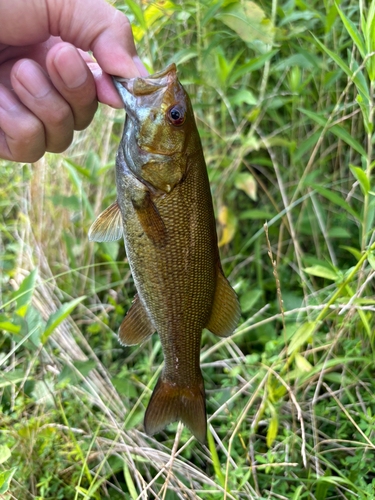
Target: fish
<point>165,213</point>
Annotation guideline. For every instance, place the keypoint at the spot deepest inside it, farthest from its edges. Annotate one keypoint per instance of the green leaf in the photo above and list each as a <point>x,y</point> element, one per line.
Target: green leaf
<point>243,96</point>
<point>4,453</point>
<point>9,327</point>
<point>248,20</point>
<point>371,260</point>
<point>246,182</point>
<point>339,131</point>
<point>10,378</point>
<point>297,493</point>
<point>330,18</point>
<point>353,32</point>
<point>256,214</point>
<point>321,272</point>
<point>210,12</point>
<point>369,30</point>
<point>215,458</point>
<point>354,251</point>
<point>273,427</point>
<point>25,292</point>
<point>302,364</point>
<point>345,68</point>
<point>322,487</point>
<point>339,232</point>
<point>183,55</point>
<point>138,14</point>
<point>252,65</point>
<point>361,177</point>
<point>129,482</point>
<point>57,317</point>
<point>5,479</point>
<point>301,336</point>
<point>249,299</point>
<point>85,367</point>
<point>336,199</point>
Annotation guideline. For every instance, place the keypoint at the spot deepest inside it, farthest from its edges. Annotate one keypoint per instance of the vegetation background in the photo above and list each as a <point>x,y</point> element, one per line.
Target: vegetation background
<point>283,95</point>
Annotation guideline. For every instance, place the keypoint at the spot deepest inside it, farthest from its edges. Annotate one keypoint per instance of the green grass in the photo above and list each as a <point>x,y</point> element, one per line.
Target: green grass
<point>283,95</point>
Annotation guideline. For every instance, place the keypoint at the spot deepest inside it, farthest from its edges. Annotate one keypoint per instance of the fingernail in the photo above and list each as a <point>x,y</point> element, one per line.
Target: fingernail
<point>95,69</point>
<point>32,78</point>
<point>140,66</point>
<point>71,67</point>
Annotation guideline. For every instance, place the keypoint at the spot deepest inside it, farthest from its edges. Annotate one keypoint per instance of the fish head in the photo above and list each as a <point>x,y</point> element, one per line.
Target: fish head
<point>159,128</point>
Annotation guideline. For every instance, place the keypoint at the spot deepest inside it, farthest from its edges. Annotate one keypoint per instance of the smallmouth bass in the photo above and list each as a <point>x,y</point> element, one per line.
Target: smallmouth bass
<point>164,211</point>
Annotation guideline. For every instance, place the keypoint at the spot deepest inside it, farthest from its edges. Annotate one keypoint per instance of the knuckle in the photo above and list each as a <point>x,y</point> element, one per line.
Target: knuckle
<point>30,131</point>
<point>60,115</point>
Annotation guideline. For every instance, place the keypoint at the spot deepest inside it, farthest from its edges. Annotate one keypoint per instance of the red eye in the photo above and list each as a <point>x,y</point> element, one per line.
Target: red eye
<point>176,116</point>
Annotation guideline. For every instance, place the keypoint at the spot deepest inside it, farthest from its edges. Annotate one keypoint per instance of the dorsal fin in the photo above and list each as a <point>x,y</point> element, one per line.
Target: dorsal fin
<point>136,326</point>
<point>108,225</point>
<point>226,311</point>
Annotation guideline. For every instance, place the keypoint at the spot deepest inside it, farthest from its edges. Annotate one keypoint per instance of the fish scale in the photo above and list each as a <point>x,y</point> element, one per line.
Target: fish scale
<point>164,210</point>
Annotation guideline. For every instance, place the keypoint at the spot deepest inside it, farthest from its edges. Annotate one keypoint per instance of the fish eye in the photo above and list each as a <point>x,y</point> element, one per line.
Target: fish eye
<point>176,116</point>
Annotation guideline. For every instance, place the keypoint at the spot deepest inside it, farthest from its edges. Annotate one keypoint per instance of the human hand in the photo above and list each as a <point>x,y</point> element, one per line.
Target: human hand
<point>56,84</point>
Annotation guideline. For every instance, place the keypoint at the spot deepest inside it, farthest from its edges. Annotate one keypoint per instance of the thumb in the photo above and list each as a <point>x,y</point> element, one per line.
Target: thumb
<point>97,26</point>
<point>88,24</point>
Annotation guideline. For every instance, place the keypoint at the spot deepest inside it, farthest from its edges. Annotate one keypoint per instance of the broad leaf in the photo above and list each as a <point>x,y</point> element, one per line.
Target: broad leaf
<point>248,20</point>
<point>321,272</point>
<point>4,453</point>
<point>57,317</point>
<point>301,336</point>
<point>5,479</point>
<point>361,177</point>
<point>246,183</point>
<point>25,293</point>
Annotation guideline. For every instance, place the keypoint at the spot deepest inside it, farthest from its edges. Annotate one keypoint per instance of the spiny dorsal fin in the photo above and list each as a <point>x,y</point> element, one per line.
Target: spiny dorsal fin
<point>226,311</point>
<point>149,218</point>
<point>170,402</point>
<point>108,225</point>
<point>136,326</point>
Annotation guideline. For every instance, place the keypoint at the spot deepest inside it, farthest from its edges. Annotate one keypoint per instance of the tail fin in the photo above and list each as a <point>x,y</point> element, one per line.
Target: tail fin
<point>170,402</point>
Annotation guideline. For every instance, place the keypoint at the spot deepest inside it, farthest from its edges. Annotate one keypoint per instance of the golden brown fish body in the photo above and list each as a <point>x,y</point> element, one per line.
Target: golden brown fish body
<point>165,209</point>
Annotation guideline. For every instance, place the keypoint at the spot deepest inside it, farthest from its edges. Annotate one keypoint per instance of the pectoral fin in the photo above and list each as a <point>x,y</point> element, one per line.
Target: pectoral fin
<point>136,326</point>
<point>108,225</point>
<point>226,309</point>
<point>149,217</point>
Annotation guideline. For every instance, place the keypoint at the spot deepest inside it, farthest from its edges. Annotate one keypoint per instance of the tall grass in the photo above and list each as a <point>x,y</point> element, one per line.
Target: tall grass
<point>283,96</point>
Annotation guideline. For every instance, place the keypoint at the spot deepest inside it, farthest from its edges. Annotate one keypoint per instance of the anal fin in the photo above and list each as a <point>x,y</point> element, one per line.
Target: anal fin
<point>108,225</point>
<point>226,311</point>
<point>136,326</point>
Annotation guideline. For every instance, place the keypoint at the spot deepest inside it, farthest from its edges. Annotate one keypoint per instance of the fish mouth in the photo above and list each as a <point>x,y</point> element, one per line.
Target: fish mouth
<point>143,86</point>
<point>137,94</point>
